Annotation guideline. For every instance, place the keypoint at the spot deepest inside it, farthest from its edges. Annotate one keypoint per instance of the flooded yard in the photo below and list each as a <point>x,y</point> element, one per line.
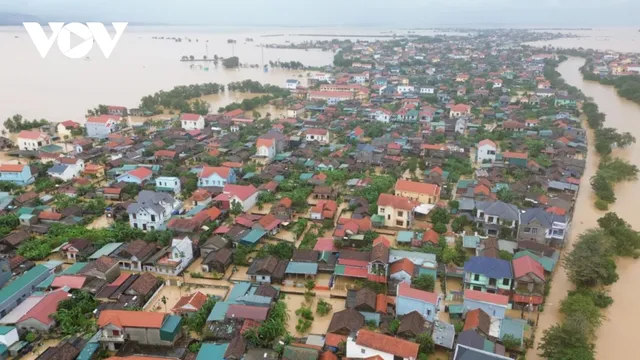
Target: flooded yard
<point>173,293</point>
<point>320,323</point>
<point>100,223</point>
<point>37,350</point>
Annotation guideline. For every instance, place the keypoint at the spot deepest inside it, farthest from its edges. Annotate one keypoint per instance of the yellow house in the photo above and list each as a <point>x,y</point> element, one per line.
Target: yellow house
<point>397,211</point>
<point>421,192</point>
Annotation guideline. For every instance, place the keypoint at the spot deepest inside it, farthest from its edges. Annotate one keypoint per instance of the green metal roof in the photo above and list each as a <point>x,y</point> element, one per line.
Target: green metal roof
<point>22,281</point>
<point>253,236</point>
<point>212,351</point>
<point>105,250</point>
<point>24,210</point>
<point>404,236</point>
<point>4,330</point>
<point>513,327</point>
<point>219,311</point>
<point>302,268</point>
<point>239,289</point>
<point>170,327</point>
<point>455,309</point>
<point>339,270</point>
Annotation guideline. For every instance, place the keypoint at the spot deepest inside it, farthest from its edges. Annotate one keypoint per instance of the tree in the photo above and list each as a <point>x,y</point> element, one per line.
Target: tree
<point>603,188</point>
<point>196,322</point>
<point>626,240</point>
<point>580,308</point>
<point>426,343</point>
<point>393,326</point>
<point>323,307</point>
<point>74,314</point>
<point>511,342</point>
<point>424,282</point>
<point>440,228</point>
<point>591,260</point>
<point>164,301</point>
<point>566,342</point>
<point>236,208</point>
<point>232,62</point>
<point>440,216</point>
<point>459,223</point>
<point>506,195</point>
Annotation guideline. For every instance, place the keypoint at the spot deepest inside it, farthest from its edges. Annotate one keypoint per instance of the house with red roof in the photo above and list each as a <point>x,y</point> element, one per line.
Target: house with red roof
<point>322,136</point>
<point>418,191</point>
<point>409,299</point>
<point>486,151</point>
<point>245,195</point>
<point>217,176</point>
<point>529,277</point>
<point>64,128</point>
<point>18,174</point>
<point>395,211</point>
<point>372,345</point>
<point>40,317</point>
<point>101,126</point>
<point>402,270</point>
<point>266,148</point>
<point>144,327</point>
<point>324,209</point>
<point>192,122</point>
<point>495,305</point>
<point>136,176</point>
<point>515,158</point>
<point>459,110</point>
<point>30,140</point>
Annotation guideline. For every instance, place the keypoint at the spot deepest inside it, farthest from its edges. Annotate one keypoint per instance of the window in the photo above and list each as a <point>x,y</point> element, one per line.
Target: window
<point>527,230</point>
<point>428,312</point>
<point>135,225</point>
<point>399,223</point>
<point>506,282</point>
<point>400,213</point>
<point>115,332</point>
<point>381,210</point>
<point>476,277</point>
<point>534,230</point>
<point>389,217</point>
<point>491,219</point>
<point>153,218</point>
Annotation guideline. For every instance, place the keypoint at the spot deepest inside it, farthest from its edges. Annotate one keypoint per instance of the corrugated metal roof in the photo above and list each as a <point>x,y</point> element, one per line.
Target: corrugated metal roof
<point>105,250</point>
<point>212,351</point>
<point>18,284</point>
<point>295,267</point>
<point>219,311</point>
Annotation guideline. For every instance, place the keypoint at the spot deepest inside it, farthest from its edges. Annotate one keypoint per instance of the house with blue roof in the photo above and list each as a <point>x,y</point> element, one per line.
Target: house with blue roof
<point>488,274</point>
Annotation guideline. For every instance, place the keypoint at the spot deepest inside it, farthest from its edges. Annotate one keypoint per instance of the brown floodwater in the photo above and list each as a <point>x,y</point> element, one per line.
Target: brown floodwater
<point>58,88</point>
<point>615,39</point>
<point>616,336</point>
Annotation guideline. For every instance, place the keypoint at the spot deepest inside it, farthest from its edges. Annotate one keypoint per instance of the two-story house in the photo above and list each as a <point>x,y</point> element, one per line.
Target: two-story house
<point>459,110</point>
<point>266,148</point>
<point>168,184</point>
<point>486,151</point>
<point>131,256</point>
<point>529,277</point>
<point>32,140</point>
<point>174,259</point>
<point>151,210</point>
<point>16,291</point>
<point>143,327</point>
<point>492,216</point>
<point>192,122</point>
<point>218,176</point>
<point>409,299</point>
<point>321,136</point>
<point>543,227</point>
<point>396,211</point>
<point>101,126</point>
<point>18,174</point>
<point>488,274</point>
<point>421,192</point>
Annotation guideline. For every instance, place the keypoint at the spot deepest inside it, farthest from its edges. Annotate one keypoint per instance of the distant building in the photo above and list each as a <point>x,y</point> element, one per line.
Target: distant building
<point>101,126</point>
<point>32,140</point>
<point>18,174</point>
<point>192,122</point>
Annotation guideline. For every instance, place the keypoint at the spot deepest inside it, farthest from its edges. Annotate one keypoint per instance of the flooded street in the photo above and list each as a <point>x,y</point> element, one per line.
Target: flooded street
<point>616,336</point>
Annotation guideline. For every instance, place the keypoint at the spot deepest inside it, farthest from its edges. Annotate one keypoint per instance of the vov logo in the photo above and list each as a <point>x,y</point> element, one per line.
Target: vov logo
<point>62,32</point>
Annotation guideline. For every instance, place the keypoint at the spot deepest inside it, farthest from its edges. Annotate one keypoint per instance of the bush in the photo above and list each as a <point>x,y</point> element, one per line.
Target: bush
<point>305,313</point>
<point>440,228</point>
<point>323,307</point>
<point>303,325</point>
<point>424,282</point>
<point>602,205</point>
<point>197,275</point>
<point>511,342</point>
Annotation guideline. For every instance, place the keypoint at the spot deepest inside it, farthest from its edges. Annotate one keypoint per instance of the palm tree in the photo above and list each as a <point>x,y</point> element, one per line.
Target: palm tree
<point>164,301</point>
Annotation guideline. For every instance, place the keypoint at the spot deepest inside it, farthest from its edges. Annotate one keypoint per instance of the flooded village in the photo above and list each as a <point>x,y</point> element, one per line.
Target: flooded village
<point>458,196</point>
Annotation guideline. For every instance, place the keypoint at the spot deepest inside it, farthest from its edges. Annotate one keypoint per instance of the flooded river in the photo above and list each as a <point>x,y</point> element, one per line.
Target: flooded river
<point>616,337</point>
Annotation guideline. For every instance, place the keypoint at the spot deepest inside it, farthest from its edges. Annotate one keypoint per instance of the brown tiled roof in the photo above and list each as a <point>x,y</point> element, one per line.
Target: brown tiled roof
<point>478,319</point>
<point>236,348</point>
<point>220,256</point>
<point>266,290</point>
<point>365,300</point>
<point>346,321</point>
<point>305,255</point>
<point>140,249</point>
<point>144,284</point>
<point>80,244</point>
<point>15,238</point>
<point>26,197</point>
<point>411,324</point>
<point>104,263</point>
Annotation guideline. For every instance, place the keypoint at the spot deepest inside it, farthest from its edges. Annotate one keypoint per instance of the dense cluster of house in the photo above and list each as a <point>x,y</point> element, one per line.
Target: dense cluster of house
<point>496,146</point>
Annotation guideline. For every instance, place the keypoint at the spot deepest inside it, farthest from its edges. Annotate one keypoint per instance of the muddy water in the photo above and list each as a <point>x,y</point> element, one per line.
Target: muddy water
<point>616,39</point>
<point>616,337</point>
